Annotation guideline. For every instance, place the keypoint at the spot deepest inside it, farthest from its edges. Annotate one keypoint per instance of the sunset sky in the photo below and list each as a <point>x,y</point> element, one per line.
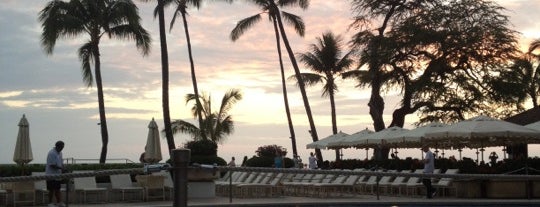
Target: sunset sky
<point>50,91</point>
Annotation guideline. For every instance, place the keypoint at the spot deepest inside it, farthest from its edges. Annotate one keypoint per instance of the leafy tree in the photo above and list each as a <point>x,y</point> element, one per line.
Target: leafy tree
<point>159,12</point>
<point>216,125</point>
<point>114,18</point>
<point>272,8</point>
<point>327,61</point>
<point>437,53</point>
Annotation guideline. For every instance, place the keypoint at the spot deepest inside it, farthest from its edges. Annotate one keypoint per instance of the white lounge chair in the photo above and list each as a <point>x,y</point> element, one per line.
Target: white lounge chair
<point>445,185</point>
<point>86,186</point>
<point>122,183</point>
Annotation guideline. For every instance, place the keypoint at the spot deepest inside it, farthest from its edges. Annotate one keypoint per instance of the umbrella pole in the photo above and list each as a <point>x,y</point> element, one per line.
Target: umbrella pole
<point>459,150</point>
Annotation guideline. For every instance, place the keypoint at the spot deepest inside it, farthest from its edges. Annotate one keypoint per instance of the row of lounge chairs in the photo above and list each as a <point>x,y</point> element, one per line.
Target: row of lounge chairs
<point>268,184</point>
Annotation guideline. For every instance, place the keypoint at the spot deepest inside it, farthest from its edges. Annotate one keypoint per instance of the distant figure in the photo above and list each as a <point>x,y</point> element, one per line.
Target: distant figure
<point>297,161</point>
<point>312,161</point>
<point>278,160</point>
<point>232,163</point>
<point>55,166</point>
<point>244,161</point>
<point>429,167</point>
<point>493,157</point>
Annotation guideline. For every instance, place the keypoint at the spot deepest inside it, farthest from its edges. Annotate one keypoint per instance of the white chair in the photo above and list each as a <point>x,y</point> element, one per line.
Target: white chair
<point>23,192</point>
<point>445,184</point>
<point>87,186</point>
<point>4,194</point>
<point>154,186</point>
<point>122,183</point>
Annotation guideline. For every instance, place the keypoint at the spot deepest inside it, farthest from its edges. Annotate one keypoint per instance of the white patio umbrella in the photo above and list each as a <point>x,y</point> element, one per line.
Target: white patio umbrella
<point>23,148</point>
<point>378,138</point>
<point>414,137</point>
<point>323,143</point>
<point>348,140</point>
<point>535,126</point>
<point>152,150</point>
<point>482,131</point>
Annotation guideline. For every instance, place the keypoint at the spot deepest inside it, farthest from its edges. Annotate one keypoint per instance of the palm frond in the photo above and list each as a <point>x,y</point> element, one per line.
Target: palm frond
<point>295,21</point>
<point>181,126</point>
<point>243,25</point>
<point>86,56</point>
<point>310,79</point>
<point>303,4</point>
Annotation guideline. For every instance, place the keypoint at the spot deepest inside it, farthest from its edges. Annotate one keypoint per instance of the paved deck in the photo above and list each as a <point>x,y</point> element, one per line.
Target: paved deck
<point>360,200</point>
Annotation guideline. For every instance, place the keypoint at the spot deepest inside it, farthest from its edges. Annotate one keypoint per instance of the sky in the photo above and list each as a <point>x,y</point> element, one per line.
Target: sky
<point>49,90</point>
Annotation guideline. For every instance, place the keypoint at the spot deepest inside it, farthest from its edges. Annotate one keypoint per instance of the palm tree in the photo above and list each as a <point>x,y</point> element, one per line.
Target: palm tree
<point>164,73</point>
<point>216,125</point>
<point>272,8</point>
<point>324,59</point>
<point>534,85</point>
<point>114,18</point>
<point>181,9</point>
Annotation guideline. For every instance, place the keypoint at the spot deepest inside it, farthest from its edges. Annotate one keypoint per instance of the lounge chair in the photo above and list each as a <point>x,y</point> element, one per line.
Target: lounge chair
<point>86,186</point>
<point>446,184</point>
<point>153,185</point>
<point>339,185</point>
<point>122,183</point>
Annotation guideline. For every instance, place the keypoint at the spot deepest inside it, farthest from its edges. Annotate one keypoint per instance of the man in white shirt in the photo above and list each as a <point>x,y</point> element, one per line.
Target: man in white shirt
<point>55,166</point>
<point>429,167</point>
<point>312,161</point>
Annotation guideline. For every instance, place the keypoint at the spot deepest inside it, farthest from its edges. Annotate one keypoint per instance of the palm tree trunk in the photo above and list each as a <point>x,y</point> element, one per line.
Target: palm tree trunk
<point>333,112</point>
<point>193,77</point>
<point>284,86</point>
<point>101,103</point>
<point>313,130</point>
<point>165,78</point>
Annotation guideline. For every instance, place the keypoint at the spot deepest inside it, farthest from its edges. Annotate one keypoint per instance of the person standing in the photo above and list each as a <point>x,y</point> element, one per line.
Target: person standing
<point>429,167</point>
<point>54,167</point>
<point>278,160</point>
<point>312,161</point>
<point>232,163</point>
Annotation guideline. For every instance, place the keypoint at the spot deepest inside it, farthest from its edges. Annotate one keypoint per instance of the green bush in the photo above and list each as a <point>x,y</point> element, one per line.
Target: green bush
<point>267,162</point>
<point>270,151</point>
<point>202,147</point>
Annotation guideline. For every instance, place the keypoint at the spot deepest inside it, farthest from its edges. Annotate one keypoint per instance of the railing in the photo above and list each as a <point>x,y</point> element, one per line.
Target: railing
<point>72,160</point>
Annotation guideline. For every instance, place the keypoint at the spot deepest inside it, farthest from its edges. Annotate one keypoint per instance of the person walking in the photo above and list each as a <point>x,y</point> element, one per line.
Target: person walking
<point>429,167</point>
<point>54,167</point>
<point>278,160</point>
<point>312,161</point>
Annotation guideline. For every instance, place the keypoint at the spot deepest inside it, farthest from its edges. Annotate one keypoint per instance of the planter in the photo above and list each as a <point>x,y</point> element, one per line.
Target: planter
<point>506,189</point>
<point>202,175</point>
<point>468,189</point>
<point>201,189</point>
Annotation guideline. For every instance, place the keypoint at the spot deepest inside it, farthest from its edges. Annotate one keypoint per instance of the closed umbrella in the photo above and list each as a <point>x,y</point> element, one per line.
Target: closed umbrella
<point>23,148</point>
<point>152,150</point>
<point>323,143</point>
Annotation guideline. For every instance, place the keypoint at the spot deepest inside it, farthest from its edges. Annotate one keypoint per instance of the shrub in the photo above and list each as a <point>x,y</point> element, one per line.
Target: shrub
<point>270,151</point>
<point>202,147</point>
